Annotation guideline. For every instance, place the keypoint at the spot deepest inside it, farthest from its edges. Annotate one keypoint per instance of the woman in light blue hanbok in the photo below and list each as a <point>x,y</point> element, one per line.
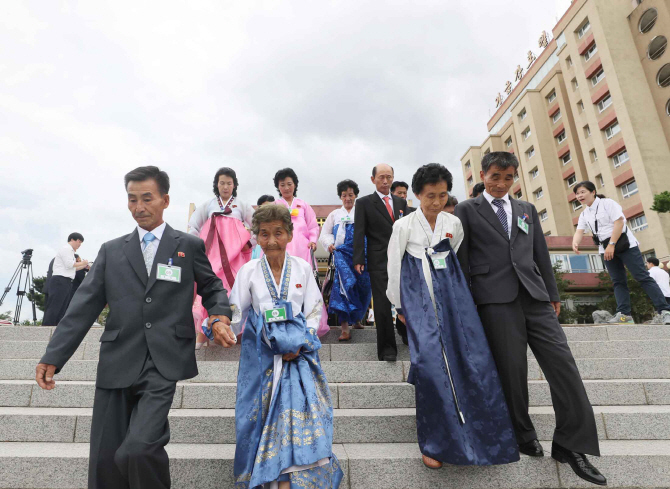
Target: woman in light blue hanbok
<point>351,291</point>
<point>283,412</point>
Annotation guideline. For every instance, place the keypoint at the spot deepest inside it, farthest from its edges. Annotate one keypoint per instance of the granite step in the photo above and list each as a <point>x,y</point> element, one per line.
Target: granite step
<point>350,425</point>
<point>361,371</point>
<point>26,393</point>
<point>368,335</point>
<point>640,464</point>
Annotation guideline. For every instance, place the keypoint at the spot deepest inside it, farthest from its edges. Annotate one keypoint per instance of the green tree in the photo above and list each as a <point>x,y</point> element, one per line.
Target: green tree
<point>38,297</point>
<point>7,316</point>
<point>567,316</point>
<point>661,202</point>
<point>642,308</point>
<point>102,319</point>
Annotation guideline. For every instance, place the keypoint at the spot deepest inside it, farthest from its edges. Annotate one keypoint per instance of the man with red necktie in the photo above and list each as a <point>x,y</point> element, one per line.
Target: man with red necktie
<point>375,215</point>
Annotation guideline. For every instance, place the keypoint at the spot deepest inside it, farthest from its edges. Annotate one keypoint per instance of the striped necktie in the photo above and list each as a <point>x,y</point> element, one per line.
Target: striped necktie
<point>502,215</point>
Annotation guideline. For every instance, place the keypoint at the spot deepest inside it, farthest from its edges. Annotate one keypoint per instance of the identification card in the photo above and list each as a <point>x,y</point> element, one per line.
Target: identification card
<point>276,314</point>
<point>346,219</point>
<point>523,225</point>
<point>440,263</point>
<point>167,273</point>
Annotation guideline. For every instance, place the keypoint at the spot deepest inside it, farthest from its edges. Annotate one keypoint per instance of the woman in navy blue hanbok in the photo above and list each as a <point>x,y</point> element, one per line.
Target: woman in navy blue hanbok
<point>283,411</point>
<point>351,291</point>
<point>462,417</point>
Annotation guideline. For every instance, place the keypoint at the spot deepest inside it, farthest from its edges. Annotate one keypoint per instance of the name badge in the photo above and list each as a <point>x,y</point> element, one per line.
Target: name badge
<point>522,224</point>
<point>168,273</point>
<point>439,263</point>
<point>276,314</point>
<point>346,220</point>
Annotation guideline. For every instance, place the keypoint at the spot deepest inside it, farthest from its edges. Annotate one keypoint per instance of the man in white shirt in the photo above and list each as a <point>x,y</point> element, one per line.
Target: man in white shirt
<point>65,266</point>
<point>661,277</point>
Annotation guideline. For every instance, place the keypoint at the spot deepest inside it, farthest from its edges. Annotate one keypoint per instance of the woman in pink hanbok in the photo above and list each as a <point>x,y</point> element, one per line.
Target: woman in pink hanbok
<point>223,223</point>
<point>305,228</point>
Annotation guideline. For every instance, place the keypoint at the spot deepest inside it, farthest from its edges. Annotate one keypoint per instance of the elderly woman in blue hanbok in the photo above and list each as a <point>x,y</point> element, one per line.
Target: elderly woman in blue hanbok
<point>283,412</point>
<point>351,292</point>
<point>461,414</point>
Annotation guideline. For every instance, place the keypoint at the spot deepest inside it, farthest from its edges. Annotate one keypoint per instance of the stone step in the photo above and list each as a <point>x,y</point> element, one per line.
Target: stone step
<point>368,335</point>
<point>26,393</point>
<point>641,464</point>
<point>350,425</point>
<point>356,351</point>
<point>361,371</point>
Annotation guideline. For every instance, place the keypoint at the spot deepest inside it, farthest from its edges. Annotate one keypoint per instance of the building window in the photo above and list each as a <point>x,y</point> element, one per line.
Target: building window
<point>556,117</point>
<point>522,114</point>
<point>470,181</point>
<point>575,84</point>
<point>576,205</point>
<point>648,20</point>
<point>538,194</point>
<point>649,254</point>
<point>508,142</point>
<point>667,108</point>
<point>601,180</point>
<point>663,77</point>
<point>587,131</point>
<point>612,130</point>
<point>591,51</point>
<point>580,106</point>
<point>551,97</point>
<point>572,179</point>
<point>593,155</point>
<point>638,223</point>
<point>467,165</point>
<point>544,215</point>
<point>534,173</point>
<point>620,158</point>
<point>628,189</point>
<point>516,177</point>
<point>604,103</point>
<point>488,150</point>
<point>518,195</point>
<point>561,137</point>
<point>657,47</point>
<point>595,79</point>
<point>582,263</point>
<point>530,153</point>
<point>584,29</point>
<point>526,133</point>
<point>566,158</point>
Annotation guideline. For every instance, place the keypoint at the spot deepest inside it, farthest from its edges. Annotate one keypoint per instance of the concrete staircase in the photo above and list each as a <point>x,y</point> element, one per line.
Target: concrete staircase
<point>43,435</point>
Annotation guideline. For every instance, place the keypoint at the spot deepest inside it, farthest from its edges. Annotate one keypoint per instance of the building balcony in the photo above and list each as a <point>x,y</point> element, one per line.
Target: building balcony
<point>600,94</point>
<point>586,44</point>
<point>563,151</point>
<point>623,177</point>
<point>593,68</point>
<point>559,129</point>
<point>615,147</point>
<point>608,120</point>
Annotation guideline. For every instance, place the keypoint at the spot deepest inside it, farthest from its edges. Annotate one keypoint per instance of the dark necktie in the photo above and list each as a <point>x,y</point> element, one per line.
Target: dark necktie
<point>502,215</point>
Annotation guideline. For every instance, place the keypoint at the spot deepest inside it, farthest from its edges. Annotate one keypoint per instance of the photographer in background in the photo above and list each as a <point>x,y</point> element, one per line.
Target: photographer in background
<point>65,267</point>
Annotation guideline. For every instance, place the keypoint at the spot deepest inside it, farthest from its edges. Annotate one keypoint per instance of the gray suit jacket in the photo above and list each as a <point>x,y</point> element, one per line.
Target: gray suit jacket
<point>145,314</point>
<point>494,263</point>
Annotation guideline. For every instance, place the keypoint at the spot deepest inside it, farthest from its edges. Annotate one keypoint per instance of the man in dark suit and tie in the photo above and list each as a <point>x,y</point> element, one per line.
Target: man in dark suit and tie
<point>505,259</point>
<point>147,277</point>
<point>375,215</point>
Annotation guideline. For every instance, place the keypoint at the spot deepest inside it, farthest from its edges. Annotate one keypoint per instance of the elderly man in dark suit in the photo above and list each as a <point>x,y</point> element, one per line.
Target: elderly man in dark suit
<point>504,257</point>
<point>375,215</point>
<point>147,277</point>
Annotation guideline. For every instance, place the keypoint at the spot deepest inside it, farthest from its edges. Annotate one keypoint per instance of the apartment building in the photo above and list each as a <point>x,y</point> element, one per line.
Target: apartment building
<point>594,105</point>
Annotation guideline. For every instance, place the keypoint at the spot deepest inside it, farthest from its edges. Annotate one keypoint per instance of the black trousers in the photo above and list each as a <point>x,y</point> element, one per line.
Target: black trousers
<point>58,299</point>
<point>510,328</point>
<point>386,344</point>
<point>129,432</point>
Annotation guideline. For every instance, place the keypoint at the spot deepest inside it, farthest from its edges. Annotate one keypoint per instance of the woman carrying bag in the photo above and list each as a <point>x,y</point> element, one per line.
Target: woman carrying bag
<point>606,221</point>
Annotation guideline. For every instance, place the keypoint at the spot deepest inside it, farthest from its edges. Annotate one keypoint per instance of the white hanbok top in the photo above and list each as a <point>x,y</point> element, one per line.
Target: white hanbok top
<point>240,210</point>
<point>250,290</point>
<point>412,234</point>
<point>339,216</point>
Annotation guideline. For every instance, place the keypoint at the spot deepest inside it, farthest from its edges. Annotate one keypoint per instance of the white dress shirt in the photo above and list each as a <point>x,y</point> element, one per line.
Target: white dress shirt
<point>507,207</point>
<point>381,196</point>
<point>64,262</point>
<point>327,238</point>
<point>158,232</point>
<point>662,279</point>
<point>607,211</point>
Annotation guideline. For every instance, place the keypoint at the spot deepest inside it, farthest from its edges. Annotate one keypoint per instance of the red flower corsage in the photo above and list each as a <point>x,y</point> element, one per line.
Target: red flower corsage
<point>448,235</point>
<point>234,206</point>
<point>181,254</point>
<point>298,286</point>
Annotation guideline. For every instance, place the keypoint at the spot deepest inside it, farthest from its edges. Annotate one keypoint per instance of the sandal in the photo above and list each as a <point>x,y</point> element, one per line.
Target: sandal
<point>431,463</point>
<point>344,336</point>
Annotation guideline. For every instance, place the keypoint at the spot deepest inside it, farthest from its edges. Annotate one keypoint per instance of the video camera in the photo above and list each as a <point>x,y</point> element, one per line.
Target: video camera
<point>27,255</point>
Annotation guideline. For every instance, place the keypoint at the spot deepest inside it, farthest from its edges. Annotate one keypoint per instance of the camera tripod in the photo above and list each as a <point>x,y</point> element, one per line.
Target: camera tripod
<point>23,284</point>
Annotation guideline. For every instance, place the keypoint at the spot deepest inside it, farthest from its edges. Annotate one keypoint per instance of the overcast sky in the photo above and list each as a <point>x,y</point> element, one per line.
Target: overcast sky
<point>91,90</point>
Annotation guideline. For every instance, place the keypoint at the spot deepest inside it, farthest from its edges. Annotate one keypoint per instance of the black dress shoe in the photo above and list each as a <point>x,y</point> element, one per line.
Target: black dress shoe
<point>579,463</point>
<point>389,358</point>
<point>405,340</point>
<point>532,448</point>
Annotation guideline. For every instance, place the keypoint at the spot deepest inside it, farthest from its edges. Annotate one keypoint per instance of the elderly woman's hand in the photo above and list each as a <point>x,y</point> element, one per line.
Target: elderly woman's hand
<point>287,357</point>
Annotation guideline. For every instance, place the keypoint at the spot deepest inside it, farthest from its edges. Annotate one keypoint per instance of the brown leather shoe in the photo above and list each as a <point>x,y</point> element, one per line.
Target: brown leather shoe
<point>344,336</point>
<point>358,326</point>
<point>431,463</point>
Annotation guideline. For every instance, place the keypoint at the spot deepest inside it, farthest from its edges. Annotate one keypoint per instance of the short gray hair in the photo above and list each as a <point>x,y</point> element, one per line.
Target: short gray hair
<point>269,213</point>
<point>502,159</point>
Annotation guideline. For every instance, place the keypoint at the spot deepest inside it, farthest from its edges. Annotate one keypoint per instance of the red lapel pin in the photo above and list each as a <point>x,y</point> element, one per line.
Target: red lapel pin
<point>181,254</point>
<point>298,286</point>
<point>448,235</point>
